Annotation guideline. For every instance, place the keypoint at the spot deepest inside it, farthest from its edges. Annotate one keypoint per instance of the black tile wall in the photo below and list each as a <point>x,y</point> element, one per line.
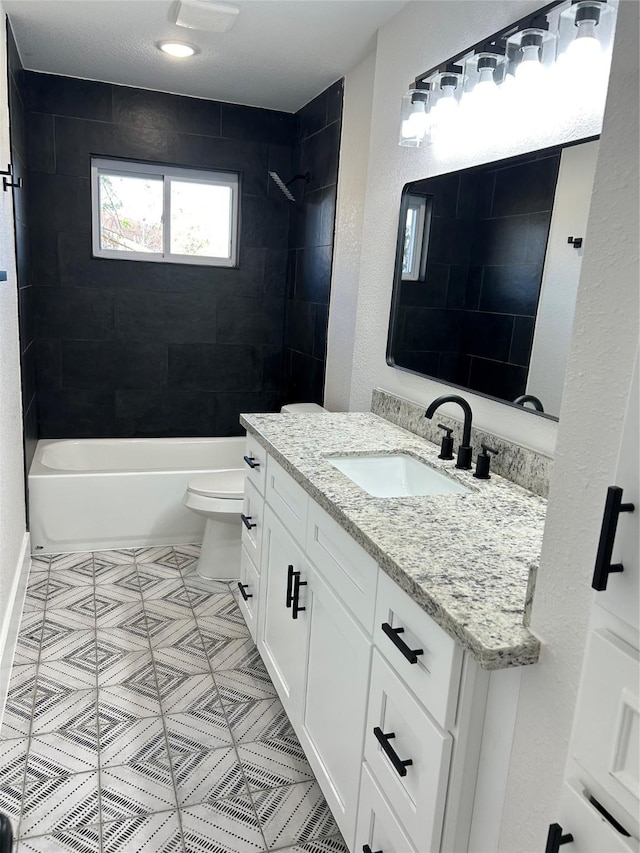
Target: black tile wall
<point>471,320</point>
<point>311,225</point>
<point>18,125</point>
<point>125,348</point>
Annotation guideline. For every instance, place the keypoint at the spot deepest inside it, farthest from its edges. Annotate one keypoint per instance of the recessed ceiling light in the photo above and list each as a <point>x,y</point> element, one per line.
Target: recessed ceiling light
<point>177,48</point>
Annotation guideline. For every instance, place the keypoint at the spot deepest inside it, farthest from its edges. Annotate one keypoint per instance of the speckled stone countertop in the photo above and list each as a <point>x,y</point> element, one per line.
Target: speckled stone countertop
<point>465,559</point>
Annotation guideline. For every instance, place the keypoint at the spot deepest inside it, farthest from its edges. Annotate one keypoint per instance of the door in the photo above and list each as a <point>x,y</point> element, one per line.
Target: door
<point>335,700</point>
<point>282,632</point>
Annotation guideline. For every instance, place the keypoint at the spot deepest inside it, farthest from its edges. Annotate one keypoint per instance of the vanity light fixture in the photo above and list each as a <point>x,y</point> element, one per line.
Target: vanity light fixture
<point>177,49</point>
<point>512,79</point>
<point>415,121</point>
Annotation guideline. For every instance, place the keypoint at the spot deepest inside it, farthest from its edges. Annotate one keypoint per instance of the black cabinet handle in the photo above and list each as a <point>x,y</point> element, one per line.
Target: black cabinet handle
<point>612,509</point>
<point>242,587</point>
<point>383,739</point>
<point>392,633</point>
<point>251,461</point>
<point>555,838</point>
<point>297,583</point>
<point>290,574</point>
<point>246,520</point>
<point>367,849</point>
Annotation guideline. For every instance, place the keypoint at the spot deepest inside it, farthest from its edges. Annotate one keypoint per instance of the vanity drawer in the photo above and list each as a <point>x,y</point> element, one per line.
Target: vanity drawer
<point>377,825</point>
<point>435,675</point>
<point>255,463</point>
<point>250,580</point>
<point>418,796</point>
<point>347,568</point>
<point>252,512</point>
<point>288,500</point>
<point>592,833</point>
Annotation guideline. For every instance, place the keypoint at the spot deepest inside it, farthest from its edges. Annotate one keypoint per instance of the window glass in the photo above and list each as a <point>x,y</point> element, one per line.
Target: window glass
<point>131,213</point>
<point>200,219</point>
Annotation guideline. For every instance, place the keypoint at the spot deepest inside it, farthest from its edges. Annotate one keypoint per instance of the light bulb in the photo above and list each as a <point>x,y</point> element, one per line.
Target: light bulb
<point>446,106</point>
<point>418,121</point>
<point>529,70</point>
<point>178,49</point>
<point>585,48</point>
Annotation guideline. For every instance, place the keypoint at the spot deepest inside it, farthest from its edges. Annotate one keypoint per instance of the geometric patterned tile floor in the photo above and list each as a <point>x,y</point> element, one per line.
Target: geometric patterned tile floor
<point>140,718</point>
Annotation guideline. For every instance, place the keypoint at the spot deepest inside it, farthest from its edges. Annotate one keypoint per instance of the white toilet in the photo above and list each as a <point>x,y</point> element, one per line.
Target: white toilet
<point>219,497</point>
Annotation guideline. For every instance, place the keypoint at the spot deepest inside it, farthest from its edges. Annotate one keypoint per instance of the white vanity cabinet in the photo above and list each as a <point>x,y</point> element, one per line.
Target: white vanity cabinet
<point>368,679</point>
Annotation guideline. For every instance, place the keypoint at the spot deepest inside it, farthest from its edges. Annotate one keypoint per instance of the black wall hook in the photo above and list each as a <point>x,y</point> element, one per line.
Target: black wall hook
<point>576,242</point>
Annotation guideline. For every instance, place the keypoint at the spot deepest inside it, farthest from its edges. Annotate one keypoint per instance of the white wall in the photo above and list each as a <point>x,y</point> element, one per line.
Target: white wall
<point>596,391</point>
<point>352,184</point>
<point>419,37</point>
<point>12,515</point>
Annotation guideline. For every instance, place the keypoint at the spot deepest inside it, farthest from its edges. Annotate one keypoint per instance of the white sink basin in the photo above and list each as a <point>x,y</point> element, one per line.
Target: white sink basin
<point>396,476</point>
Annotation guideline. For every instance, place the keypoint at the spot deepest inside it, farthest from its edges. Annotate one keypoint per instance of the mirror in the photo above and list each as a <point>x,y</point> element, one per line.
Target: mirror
<point>486,278</point>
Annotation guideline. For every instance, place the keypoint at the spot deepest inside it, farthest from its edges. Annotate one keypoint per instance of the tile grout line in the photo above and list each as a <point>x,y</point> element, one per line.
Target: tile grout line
<point>226,718</point>
<point>98,742</point>
<point>162,715</point>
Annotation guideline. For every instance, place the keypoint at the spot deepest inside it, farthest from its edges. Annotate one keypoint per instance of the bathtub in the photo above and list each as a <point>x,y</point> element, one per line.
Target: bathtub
<point>95,494</point>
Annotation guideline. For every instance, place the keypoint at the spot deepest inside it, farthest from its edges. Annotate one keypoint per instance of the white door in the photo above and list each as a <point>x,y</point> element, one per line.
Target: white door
<point>335,701</point>
<point>282,632</point>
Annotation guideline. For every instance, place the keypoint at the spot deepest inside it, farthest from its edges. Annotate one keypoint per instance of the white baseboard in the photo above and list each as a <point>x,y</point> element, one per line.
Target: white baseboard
<point>11,623</point>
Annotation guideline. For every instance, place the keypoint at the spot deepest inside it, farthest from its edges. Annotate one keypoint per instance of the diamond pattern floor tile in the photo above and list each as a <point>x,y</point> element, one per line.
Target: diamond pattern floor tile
<point>207,776</point>
<point>264,719</point>
<point>293,815</point>
<point>60,803</point>
<point>226,825</point>
<point>274,763</point>
<point>40,563</point>
<point>184,745</point>
<point>130,741</point>
<point>135,789</point>
<point>152,833</point>
<point>79,839</point>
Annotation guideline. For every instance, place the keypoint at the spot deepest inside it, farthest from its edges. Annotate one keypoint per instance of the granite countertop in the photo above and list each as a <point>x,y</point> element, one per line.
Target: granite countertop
<point>465,559</point>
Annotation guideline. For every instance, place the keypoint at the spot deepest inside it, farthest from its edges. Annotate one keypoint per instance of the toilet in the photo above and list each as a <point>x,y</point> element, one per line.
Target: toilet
<point>219,496</point>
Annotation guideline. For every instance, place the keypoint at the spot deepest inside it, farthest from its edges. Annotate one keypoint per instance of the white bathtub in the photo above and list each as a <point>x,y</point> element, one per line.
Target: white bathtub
<point>94,494</point>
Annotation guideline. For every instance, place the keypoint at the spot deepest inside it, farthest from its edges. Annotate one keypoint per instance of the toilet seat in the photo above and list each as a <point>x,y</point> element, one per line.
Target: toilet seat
<point>219,484</point>
<point>220,491</point>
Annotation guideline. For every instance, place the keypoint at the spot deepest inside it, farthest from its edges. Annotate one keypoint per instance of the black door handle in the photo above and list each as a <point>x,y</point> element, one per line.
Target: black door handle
<point>367,849</point>
<point>612,509</point>
<point>290,573</point>
<point>242,587</point>
<point>251,461</point>
<point>555,838</point>
<point>246,520</point>
<point>297,583</point>
<point>392,633</point>
<point>383,739</point>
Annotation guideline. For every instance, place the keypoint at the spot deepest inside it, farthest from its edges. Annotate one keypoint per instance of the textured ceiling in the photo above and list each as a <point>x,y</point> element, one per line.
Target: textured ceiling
<point>279,54</point>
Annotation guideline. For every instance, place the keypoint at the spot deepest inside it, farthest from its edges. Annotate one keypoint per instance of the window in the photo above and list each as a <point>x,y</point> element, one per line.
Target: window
<point>416,233</point>
<point>160,213</point>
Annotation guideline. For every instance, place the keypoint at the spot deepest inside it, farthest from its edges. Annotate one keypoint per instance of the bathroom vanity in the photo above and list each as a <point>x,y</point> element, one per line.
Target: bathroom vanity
<point>392,627</point>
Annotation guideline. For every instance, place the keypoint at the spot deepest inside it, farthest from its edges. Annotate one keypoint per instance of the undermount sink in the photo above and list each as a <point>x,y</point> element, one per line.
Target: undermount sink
<point>396,476</point>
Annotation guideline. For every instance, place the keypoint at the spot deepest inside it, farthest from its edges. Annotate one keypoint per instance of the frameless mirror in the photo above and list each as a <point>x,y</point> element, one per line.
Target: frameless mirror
<point>487,267</point>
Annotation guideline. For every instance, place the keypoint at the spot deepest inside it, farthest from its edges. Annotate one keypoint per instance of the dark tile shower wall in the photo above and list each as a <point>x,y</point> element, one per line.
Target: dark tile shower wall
<point>17,122</point>
<point>471,321</point>
<point>311,245</point>
<point>130,348</point>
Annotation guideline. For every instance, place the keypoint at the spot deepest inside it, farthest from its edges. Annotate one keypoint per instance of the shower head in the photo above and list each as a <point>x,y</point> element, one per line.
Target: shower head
<point>284,188</point>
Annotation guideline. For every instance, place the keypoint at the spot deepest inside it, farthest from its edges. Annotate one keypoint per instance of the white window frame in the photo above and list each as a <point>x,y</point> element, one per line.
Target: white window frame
<point>416,247</point>
<point>168,173</point>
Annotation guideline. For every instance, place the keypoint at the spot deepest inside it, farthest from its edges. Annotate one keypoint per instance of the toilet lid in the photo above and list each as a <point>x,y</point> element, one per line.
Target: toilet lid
<point>219,484</point>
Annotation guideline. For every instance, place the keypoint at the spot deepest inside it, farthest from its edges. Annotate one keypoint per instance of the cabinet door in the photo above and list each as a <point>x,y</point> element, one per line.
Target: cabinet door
<point>377,825</point>
<point>248,591</point>
<point>282,640</point>
<point>335,700</point>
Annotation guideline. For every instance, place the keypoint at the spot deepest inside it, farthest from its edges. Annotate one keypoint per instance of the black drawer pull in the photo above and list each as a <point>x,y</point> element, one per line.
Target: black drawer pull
<point>297,583</point>
<point>555,838</point>
<point>367,849</point>
<point>242,587</point>
<point>612,509</point>
<point>290,573</point>
<point>246,520</point>
<point>392,633</point>
<point>383,739</point>
<point>251,461</point>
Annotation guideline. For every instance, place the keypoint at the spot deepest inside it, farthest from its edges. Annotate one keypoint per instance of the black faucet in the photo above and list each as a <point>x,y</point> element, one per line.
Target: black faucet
<point>529,398</point>
<point>464,451</point>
